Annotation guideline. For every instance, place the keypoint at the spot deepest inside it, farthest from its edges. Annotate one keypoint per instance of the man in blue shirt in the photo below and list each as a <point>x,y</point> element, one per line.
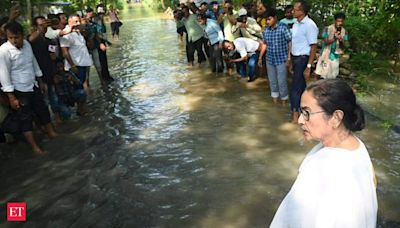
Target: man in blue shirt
<point>277,37</point>
<point>215,11</point>
<point>304,47</point>
<point>215,36</point>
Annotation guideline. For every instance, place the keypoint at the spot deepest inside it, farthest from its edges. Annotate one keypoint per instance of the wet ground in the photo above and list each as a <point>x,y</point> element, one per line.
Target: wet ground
<point>171,146</point>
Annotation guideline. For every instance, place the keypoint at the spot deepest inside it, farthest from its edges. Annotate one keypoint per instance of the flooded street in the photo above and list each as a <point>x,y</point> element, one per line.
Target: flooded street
<point>171,146</point>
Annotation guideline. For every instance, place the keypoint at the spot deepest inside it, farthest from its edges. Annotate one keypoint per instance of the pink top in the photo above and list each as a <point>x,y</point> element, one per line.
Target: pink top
<point>113,16</point>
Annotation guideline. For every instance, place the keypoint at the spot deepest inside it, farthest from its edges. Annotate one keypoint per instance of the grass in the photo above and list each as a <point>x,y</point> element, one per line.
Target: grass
<point>386,125</point>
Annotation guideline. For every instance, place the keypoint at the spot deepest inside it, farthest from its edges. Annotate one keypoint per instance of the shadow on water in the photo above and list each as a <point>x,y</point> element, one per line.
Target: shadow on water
<point>172,146</point>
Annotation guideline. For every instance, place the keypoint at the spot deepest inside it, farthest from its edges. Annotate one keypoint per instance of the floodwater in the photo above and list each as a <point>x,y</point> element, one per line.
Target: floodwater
<point>171,146</point>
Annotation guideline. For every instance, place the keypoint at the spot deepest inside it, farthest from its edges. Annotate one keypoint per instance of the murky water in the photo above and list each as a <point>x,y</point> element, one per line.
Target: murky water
<point>172,146</point>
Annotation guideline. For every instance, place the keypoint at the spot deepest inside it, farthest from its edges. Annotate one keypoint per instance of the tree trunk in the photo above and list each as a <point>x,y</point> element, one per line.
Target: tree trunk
<point>163,4</point>
<point>382,6</point>
<point>29,11</point>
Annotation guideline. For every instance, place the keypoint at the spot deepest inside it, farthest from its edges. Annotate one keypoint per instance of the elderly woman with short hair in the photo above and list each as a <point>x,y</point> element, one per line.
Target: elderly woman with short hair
<point>336,185</point>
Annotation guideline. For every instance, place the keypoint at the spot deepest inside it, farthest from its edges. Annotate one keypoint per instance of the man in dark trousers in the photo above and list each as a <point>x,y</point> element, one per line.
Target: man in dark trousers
<point>21,81</point>
<point>304,47</point>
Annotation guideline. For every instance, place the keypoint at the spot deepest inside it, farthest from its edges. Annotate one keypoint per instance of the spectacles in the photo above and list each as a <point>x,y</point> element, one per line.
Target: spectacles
<point>306,114</point>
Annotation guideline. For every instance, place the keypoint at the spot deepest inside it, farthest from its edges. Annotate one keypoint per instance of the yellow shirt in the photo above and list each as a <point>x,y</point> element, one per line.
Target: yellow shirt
<point>262,22</point>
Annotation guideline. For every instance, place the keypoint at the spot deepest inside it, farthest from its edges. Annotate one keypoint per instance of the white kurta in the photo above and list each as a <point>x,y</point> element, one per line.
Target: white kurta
<point>334,188</point>
<point>76,44</point>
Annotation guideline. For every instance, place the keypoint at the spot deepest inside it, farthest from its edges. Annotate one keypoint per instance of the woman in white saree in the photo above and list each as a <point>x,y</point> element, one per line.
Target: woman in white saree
<point>336,185</point>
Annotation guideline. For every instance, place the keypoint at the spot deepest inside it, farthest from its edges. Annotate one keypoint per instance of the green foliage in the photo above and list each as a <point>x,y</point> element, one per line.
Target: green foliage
<point>4,8</point>
<point>373,25</point>
<point>386,34</point>
<point>387,125</point>
<point>153,4</point>
<point>361,62</point>
<point>360,33</point>
<point>362,85</point>
<point>361,93</point>
<point>78,5</point>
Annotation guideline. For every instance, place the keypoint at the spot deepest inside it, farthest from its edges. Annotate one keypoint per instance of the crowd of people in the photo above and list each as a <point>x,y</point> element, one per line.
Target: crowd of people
<point>50,67</point>
<point>252,40</point>
<point>336,184</point>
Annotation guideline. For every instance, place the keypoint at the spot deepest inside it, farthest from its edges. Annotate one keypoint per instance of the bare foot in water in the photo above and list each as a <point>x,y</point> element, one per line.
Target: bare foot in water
<point>52,134</point>
<point>39,152</point>
<point>58,119</point>
<point>50,131</point>
<point>59,122</point>
<point>230,72</point>
<point>295,117</point>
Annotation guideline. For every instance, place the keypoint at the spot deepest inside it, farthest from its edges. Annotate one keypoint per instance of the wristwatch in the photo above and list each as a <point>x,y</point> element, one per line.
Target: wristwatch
<point>308,65</point>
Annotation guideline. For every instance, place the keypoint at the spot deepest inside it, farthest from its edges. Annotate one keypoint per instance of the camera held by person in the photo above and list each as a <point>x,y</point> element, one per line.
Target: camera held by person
<point>79,27</point>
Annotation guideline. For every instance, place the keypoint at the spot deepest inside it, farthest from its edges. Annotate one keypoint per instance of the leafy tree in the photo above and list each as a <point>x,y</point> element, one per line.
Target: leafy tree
<point>374,25</point>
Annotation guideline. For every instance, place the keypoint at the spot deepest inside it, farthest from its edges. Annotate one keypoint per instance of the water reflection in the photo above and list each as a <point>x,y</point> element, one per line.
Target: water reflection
<point>170,146</point>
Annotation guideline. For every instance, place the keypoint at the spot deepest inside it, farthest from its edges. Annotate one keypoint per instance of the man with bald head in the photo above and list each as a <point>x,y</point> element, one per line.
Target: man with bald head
<point>74,49</point>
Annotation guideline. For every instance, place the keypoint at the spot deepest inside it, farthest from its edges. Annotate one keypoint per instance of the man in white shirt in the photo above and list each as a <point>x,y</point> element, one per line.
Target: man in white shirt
<point>74,49</point>
<point>20,78</point>
<point>55,28</point>
<point>304,47</point>
<point>228,19</point>
<point>250,51</point>
<point>247,26</point>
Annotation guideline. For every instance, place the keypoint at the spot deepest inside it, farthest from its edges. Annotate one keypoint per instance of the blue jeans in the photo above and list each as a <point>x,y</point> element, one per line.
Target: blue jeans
<point>277,75</point>
<point>298,84</point>
<point>79,95</point>
<point>251,64</point>
<point>56,104</point>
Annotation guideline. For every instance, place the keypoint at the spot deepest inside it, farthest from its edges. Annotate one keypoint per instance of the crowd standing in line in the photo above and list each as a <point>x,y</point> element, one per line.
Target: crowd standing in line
<point>50,67</point>
<point>336,185</point>
<point>290,43</point>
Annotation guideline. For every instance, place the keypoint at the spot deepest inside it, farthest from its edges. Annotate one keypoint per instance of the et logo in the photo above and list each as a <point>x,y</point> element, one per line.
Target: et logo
<point>16,211</point>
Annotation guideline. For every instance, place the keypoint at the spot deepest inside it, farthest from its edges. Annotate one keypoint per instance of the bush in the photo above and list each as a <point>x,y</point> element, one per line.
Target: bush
<point>360,31</point>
